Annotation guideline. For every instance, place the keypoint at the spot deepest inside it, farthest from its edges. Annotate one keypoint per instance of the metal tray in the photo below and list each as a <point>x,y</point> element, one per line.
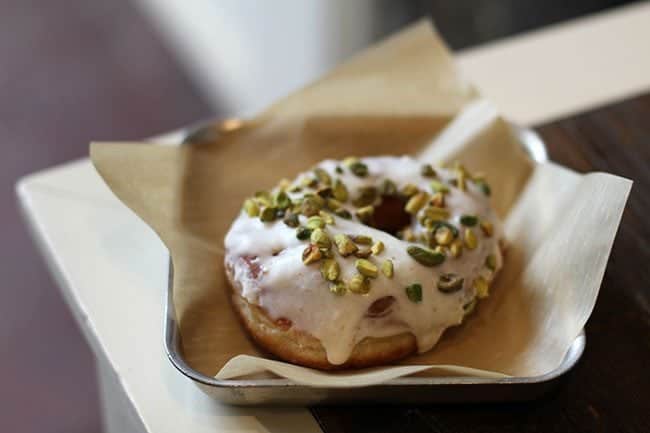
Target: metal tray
<point>397,391</point>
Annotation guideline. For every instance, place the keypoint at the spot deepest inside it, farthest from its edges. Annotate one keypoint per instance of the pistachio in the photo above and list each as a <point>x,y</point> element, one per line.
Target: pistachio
<point>449,283</point>
<point>333,204</point>
<point>470,239</point>
<point>326,253</point>
<point>291,219</point>
<point>338,288</point>
<point>311,254</point>
<point>414,292</point>
<point>322,176</point>
<point>340,191</point>
<point>482,287</point>
<point>441,249</point>
<point>440,187</point>
<point>469,220</point>
<point>484,187</point>
<point>456,248</point>
<point>433,214</point>
<point>267,214</point>
<point>251,208</point>
<point>451,227</point>
<point>330,270</point>
<point>491,262</point>
<point>320,238</point>
<point>344,245</point>
<point>387,268</point>
<point>338,169</point>
<point>309,182</point>
<point>363,253</point>
<point>325,192</point>
<point>361,239</point>
<point>343,213</point>
<point>461,178</point>
<point>359,284</point>
<point>366,268</point>
<point>367,196</point>
<point>425,256</point>
<point>443,235</point>
<point>284,184</point>
<point>409,189</point>
<point>348,161</point>
<point>315,222</point>
<point>416,202</point>
<point>487,228</point>
<point>388,187</point>
<point>329,220</point>
<point>407,235</point>
<point>282,200</point>
<point>264,198</point>
<point>377,248</point>
<point>303,233</point>
<point>427,171</point>
<point>437,200</point>
<point>365,213</point>
<point>359,169</point>
<point>311,204</point>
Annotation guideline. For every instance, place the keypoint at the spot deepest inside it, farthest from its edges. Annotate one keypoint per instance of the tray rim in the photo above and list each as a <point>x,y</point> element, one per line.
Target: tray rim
<point>534,146</point>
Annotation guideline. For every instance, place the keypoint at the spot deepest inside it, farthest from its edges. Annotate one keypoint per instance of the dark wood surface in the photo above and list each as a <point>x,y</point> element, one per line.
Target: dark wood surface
<point>609,390</point>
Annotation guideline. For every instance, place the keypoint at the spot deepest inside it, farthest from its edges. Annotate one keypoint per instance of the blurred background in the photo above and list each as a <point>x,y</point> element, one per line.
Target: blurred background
<point>72,71</point>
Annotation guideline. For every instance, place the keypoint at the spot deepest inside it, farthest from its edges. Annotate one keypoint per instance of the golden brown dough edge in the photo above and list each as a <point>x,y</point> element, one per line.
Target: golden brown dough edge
<point>299,347</point>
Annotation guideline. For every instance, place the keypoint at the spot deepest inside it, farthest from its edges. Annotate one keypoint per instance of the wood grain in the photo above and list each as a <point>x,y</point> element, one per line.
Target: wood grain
<point>608,390</point>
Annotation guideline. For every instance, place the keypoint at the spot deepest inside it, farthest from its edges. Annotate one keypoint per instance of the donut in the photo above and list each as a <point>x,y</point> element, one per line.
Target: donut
<point>363,261</point>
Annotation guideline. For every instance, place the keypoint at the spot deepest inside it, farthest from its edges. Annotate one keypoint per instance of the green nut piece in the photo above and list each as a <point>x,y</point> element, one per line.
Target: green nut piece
<point>344,245</point>
<point>387,268</point>
<point>251,208</point>
<point>414,292</point>
<point>434,214</point>
<point>388,187</point>
<point>282,200</point>
<point>359,169</point>
<point>303,233</point>
<point>333,204</point>
<point>470,239</point>
<point>330,270</point>
<point>409,189</point>
<point>291,219</point>
<point>377,248</point>
<point>456,248</point>
<point>425,256</point>
<point>338,288</point>
<point>361,239</point>
<point>267,214</point>
<point>327,218</point>
<point>311,204</point>
<point>322,176</point>
<point>427,171</point>
<point>311,254</point>
<point>359,285</point>
<point>338,169</point>
<point>320,238</point>
<point>367,196</point>
<point>264,198</point>
<point>366,268</point>
<point>491,262</point>
<point>365,213</point>
<point>449,283</point>
<point>469,220</point>
<point>487,228</point>
<point>416,202</point>
<point>325,192</point>
<point>438,186</point>
<point>363,253</point>
<point>343,213</point>
<point>443,235</point>
<point>482,287</point>
<point>315,222</point>
<point>340,191</point>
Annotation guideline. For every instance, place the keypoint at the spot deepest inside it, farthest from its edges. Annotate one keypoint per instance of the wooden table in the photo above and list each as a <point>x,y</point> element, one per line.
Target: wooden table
<point>609,389</point>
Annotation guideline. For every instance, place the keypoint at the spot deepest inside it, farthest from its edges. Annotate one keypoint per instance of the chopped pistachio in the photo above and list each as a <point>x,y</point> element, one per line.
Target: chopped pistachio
<point>367,196</point>
<point>461,179</point>
<point>348,161</point>
<point>340,191</point>
<point>443,235</point>
<point>437,200</point>
<point>320,238</point>
<point>425,256</point>
<point>343,213</point>
<point>469,220</point>
<point>491,262</point>
<point>438,224</point>
<point>387,187</point>
<point>456,248</point>
<point>407,235</point>
<point>264,198</point>
<point>377,248</point>
<point>434,214</point>
<point>387,268</point>
<point>315,222</point>
<point>326,252</point>
<point>291,219</point>
<point>326,217</point>
<point>416,202</point>
<point>338,169</point>
<point>333,204</point>
<point>409,189</point>
<point>324,192</point>
<point>359,169</point>
<point>484,187</point>
<point>282,200</point>
<point>414,292</point>
<point>365,213</point>
<point>267,214</point>
<point>359,284</point>
<point>449,283</point>
<point>441,249</point>
<point>487,228</point>
<point>303,233</point>
<point>338,288</point>
<point>427,171</point>
<point>440,187</point>
<point>366,268</point>
<point>322,176</point>
<point>311,204</point>
<point>482,287</point>
<point>344,245</point>
<point>330,270</point>
<point>309,182</point>
<point>284,184</point>
<point>361,239</point>
<point>363,253</point>
<point>470,239</point>
<point>311,254</point>
<point>251,208</point>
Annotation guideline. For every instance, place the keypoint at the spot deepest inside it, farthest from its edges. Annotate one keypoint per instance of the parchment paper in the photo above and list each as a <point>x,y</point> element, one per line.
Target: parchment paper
<point>392,99</point>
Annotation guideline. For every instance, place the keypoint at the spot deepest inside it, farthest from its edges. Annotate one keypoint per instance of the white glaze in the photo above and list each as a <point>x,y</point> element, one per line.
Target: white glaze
<point>287,288</point>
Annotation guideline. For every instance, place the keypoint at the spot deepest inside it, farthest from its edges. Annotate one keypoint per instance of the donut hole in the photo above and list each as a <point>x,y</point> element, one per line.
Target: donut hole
<point>390,216</point>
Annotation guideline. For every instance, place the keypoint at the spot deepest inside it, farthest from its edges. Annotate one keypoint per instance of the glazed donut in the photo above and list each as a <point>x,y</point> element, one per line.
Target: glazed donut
<point>361,262</point>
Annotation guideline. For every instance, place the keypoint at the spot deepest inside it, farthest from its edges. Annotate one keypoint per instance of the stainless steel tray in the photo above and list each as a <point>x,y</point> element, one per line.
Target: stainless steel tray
<point>396,391</point>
